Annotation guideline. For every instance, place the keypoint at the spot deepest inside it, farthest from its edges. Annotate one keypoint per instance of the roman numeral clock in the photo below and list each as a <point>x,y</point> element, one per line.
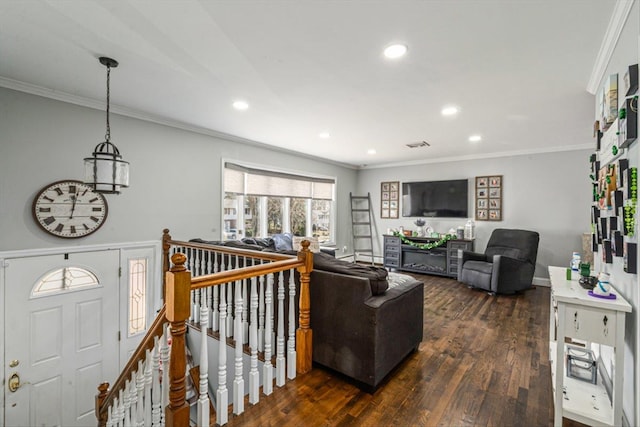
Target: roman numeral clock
<point>69,209</point>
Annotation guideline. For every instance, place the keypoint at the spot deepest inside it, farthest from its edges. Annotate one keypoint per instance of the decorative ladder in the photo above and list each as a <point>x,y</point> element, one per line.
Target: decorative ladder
<point>361,226</point>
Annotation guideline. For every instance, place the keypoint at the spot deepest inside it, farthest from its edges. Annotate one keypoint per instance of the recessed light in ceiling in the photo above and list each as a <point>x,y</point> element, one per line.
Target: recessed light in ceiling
<point>395,51</point>
<point>371,151</point>
<point>475,138</point>
<point>450,110</point>
<point>240,105</point>
<point>324,135</point>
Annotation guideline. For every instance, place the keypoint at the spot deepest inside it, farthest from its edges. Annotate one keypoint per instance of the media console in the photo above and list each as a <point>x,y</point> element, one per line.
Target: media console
<point>442,260</point>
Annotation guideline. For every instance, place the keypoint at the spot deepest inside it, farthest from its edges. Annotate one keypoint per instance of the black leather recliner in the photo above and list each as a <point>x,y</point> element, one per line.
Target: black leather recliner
<point>507,265</point>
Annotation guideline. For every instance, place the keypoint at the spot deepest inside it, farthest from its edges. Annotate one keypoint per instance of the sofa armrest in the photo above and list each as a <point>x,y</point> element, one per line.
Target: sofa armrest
<point>464,256</point>
<point>510,274</point>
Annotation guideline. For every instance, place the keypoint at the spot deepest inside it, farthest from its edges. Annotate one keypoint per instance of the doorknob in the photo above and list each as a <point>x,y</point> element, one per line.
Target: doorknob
<point>14,382</point>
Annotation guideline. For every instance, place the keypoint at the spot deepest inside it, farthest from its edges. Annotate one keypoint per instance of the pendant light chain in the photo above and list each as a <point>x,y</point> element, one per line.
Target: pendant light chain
<point>107,136</point>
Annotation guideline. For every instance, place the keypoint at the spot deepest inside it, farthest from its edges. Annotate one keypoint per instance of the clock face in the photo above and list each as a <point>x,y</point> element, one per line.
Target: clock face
<point>69,209</point>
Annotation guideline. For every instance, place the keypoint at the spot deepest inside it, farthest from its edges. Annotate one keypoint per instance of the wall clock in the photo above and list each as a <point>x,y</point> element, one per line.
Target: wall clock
<point>69,209</point>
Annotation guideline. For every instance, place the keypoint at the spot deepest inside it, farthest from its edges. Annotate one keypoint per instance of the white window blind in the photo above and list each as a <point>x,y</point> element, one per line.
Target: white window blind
<point>260,182</point>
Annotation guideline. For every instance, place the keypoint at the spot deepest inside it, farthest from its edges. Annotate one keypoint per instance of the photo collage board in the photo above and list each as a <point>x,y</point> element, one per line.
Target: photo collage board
<point>488,198</point>
<point>390,199</point>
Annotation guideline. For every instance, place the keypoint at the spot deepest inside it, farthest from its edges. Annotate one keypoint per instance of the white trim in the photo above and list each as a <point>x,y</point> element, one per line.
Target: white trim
<point>542,281</point>
<point>612,35</point>
<point>483,156</point>
<point>149,117</point>
<point>24,253</point>
<point>128,112</point>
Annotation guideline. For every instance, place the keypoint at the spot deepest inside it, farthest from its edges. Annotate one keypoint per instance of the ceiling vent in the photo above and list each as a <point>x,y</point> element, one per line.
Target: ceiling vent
<point>419,144</point>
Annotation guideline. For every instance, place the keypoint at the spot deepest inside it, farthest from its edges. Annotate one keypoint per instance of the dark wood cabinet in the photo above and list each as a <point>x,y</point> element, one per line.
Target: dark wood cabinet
<point>442,260</point>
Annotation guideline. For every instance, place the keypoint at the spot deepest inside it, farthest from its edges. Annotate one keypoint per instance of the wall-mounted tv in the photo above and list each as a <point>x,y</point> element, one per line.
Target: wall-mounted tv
<point>446,199</point>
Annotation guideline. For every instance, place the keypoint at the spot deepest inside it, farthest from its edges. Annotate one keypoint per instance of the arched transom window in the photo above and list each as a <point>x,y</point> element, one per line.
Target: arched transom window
<point>65,279</point>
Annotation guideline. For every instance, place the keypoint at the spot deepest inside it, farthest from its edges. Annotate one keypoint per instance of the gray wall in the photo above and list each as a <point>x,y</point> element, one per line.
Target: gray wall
<point>624,54</point>
<point>542,192</point>
<point>175,174</point>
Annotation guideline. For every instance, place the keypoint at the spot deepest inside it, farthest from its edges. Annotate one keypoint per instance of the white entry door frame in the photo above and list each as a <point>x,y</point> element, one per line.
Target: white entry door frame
<point>149,251</point>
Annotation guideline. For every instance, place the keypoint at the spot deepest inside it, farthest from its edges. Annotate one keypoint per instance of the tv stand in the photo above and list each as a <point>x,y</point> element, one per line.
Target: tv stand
<point>442,261</point>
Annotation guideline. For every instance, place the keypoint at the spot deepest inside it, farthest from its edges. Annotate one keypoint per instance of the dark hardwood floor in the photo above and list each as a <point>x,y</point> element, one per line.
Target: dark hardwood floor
<point>483,361</point>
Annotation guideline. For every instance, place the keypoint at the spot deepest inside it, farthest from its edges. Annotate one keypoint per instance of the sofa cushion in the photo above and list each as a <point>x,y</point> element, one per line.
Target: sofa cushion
<point>377,275</point>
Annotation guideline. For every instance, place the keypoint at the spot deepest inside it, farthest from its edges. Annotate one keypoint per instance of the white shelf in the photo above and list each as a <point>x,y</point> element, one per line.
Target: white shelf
<point>575,314</point>
<point>583,402</point>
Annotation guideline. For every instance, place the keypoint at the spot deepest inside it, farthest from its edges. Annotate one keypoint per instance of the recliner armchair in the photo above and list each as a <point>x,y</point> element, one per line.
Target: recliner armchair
<point>507,265</point>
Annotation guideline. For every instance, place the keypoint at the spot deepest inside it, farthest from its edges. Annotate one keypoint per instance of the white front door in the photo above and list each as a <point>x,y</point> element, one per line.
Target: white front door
<point>61,336</point>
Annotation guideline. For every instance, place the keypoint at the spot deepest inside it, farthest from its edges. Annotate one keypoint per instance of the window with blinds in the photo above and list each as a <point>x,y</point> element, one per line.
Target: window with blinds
<point>262,202</point>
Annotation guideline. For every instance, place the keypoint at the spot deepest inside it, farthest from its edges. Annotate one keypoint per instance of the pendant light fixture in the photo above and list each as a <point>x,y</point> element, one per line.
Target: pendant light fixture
<point>105,171</point>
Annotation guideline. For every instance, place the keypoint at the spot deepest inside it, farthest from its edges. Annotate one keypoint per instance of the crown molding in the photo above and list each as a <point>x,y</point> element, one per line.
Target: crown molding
<point>141,115</point>
<point>482,156</point>
<point>612,35</point>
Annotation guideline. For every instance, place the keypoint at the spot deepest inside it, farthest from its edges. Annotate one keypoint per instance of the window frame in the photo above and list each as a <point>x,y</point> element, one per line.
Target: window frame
<point>262,202</point>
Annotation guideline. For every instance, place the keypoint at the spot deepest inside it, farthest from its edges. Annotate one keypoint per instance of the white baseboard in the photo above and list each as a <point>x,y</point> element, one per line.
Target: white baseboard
<point>542,281</point>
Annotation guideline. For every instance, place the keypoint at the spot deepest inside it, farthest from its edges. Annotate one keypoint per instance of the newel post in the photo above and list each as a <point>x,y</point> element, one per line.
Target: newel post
<point>304,335</point>
<point>166,237</point>
<point>178,302</point>
<point>103,390</point>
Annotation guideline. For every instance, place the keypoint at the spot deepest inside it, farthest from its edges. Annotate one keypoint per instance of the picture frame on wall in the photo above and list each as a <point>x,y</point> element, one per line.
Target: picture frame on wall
<point>488,203</point>
<point>389,199</point>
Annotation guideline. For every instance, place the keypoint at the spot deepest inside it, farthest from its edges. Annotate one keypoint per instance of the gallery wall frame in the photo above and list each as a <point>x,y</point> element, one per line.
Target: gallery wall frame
<point>389,199</point>
<point>488,198</point>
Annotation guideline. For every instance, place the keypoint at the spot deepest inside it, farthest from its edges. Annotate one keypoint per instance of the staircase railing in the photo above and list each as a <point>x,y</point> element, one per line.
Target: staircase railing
<point>140,393</point>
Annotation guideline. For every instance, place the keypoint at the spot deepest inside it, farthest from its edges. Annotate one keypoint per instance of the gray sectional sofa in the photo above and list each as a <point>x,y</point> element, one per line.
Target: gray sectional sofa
<point>365,321</point>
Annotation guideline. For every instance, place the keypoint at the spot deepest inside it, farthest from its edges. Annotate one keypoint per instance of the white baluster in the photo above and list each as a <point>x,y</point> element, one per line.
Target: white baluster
<point>238,382</point>
<point>156,393</point>
<point>254,378</point>
<point>118,411</point>
<point>261,315</point>
<point>127,404</point>
<point>164,358</point>
<point>267,376</point>
<point>280,359</point>
<point>216,264</point>
<point>291,342</point>
<point>245,311</point>
<point>140,404</point>
<point>195,262</point>
<point>148,381</point>
<point>230,305</point>
<point>222,398</point>
<point>110,419</point>
<point>195,310</point>
<point>203,400</point>
<point>215,319</point>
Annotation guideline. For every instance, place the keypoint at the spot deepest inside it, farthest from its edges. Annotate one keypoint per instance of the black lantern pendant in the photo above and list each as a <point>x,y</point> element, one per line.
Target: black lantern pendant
<point>105,171</point>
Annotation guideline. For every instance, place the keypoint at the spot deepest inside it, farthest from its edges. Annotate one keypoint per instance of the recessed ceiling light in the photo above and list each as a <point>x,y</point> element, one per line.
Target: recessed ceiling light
<point>395,51</point>
<point>450,110</point>
<point>371,151</point>
<point>475,138</point>
<point>240,105</point>
<point>324,135</point>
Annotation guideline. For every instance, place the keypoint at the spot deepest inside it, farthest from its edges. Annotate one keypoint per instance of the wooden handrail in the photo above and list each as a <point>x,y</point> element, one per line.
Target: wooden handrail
<point>243,273</point>
<point>177,285</point>
<point>147,343</point>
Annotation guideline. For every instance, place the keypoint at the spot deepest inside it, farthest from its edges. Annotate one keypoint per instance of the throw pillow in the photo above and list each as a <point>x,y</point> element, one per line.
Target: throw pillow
<point>283,241</point>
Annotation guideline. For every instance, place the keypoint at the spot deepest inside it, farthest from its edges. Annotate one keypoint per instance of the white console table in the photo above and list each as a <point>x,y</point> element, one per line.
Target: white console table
<point>576,314</point>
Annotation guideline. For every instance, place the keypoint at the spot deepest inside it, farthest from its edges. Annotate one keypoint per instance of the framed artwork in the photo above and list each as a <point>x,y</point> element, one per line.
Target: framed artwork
<point>488,204</point>
<point>389,199</point>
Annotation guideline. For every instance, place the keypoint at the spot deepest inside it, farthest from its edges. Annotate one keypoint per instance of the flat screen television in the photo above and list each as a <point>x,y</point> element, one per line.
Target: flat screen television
<point>446,199</point>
